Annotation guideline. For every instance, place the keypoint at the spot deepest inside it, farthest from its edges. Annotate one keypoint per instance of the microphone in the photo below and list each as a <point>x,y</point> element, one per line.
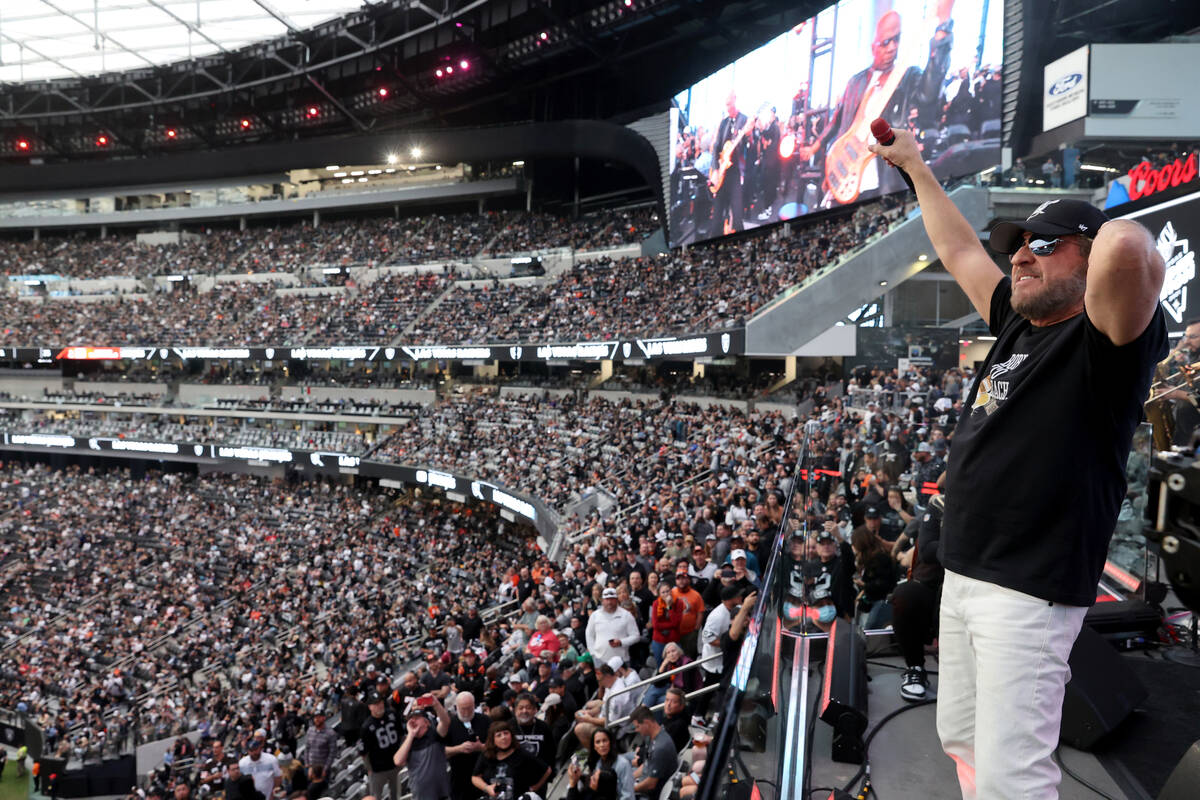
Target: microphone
<point>884,134</point>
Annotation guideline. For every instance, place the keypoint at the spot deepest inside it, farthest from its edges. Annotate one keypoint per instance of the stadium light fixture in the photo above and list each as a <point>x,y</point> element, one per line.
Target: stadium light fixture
<point>347,180</point>
<point>392,158</point>
<point>356,173</point>
<point>374,172</point>
<point>313,111</point>
<point>439,73</point>
<point>332,168</point>
<point>362,180</point>
<point>415,152</point>
<point>544,36</point>
<point>102,141</point>
<point>464,65</point>
<point>22,144</point>
<point>449,70</point>
<point>383,92</point>
<point>245,123</point>
<point>172,133</point>
<point>339,174</point>
<point>923,257</point>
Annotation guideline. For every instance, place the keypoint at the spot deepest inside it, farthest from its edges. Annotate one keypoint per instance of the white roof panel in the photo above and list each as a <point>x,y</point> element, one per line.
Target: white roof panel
<point>41,39</point>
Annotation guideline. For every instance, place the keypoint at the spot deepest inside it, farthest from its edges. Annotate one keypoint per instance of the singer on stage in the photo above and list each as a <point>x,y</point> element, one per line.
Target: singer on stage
<point>1036,473</point>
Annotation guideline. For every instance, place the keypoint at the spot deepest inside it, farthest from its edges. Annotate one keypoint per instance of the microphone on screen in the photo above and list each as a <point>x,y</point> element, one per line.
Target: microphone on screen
<point>883,134</point>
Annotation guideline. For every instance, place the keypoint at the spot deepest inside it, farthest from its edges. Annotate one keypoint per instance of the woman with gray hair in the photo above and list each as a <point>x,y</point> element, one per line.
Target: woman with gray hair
<point>672,658</point>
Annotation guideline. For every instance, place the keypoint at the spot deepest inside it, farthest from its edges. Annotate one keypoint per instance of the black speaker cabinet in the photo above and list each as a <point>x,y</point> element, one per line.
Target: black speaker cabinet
<point>1102,692</point>
<point>844,691</point>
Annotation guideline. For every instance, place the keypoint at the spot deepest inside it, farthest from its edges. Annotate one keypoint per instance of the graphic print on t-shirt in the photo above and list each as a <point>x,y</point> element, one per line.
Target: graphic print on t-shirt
<point>993,391</point>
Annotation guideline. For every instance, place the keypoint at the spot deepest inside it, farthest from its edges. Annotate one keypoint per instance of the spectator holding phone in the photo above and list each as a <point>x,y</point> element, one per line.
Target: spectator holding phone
<point>423,750</point>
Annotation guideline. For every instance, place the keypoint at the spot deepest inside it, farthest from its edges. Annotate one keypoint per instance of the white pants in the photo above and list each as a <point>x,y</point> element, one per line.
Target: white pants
<point>1002,674</point>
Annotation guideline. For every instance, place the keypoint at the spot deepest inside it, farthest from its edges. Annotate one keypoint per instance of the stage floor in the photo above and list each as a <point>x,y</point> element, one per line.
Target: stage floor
<point>907,760</point>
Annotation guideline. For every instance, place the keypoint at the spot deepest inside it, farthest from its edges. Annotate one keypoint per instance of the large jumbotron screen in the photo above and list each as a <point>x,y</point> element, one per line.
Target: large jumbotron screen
<point>782,131</point>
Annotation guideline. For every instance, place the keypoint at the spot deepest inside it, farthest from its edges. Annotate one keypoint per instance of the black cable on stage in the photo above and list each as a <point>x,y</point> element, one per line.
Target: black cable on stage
<point>1061,765</point>
<point>867,742</point>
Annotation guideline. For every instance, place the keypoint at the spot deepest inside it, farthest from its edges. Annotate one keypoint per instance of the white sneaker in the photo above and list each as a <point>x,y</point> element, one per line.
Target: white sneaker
<point>914,684</point>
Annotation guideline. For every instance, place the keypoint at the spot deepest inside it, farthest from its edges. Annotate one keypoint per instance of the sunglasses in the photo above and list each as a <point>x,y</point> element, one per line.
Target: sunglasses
<point>1042,247</point>
<point>890,40</point>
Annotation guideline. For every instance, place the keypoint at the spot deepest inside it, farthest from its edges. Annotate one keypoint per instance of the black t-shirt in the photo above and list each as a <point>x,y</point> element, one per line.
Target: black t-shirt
<point>1038,472</point>
<point>432,683</point>
<point>520,771</point>
<point>380,739</point>
<point>677,727</point>
<point>460,732</point>
<point>534,739</point>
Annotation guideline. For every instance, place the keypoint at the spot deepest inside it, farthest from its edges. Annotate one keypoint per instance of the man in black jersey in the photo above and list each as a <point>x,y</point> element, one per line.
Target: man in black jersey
<point>1038,470</point>
<point>377,744</point>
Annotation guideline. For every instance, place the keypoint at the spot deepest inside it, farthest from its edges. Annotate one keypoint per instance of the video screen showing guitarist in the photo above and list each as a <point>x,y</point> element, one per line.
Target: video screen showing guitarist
<point>880,90</point>
<point>728,166</point>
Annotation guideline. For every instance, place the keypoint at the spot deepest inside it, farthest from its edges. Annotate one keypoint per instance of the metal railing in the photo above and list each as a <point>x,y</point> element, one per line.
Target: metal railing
<point>608,697</point>
<point>723,746</point>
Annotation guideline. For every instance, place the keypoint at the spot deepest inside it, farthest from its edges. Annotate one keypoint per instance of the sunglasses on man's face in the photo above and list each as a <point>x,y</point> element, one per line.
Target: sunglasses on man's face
<point>888,41</point>
<point>1042,247</point>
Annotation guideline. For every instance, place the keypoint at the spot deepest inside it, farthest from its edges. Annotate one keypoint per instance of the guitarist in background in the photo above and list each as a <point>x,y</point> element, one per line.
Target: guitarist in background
<point>916,89</point>
<point>728,205</point>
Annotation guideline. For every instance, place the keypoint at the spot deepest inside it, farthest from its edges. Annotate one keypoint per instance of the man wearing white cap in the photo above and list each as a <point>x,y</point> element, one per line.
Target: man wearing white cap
<point>611,629</point>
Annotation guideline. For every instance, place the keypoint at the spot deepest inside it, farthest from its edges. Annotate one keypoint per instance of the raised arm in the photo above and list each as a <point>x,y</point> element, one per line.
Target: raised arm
<point>953,238</point>
<point>1124,279</point>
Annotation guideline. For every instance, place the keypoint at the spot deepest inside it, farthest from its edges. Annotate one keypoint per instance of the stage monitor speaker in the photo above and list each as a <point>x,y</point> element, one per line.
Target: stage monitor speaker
<point>1102,692</point>
<point>844,691</point>
<point>1184,778</point>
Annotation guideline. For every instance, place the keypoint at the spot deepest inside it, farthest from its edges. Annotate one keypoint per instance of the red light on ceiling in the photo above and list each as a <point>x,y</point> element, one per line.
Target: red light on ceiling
<point>313,111</point>
<point>449,70</point>
<point>171,133</point>
<point>440,73</point>
<point>101,140</point>
<point>464,65</point>
<point>245,124</point>
<point>22,144</point>
<point>383,92</point>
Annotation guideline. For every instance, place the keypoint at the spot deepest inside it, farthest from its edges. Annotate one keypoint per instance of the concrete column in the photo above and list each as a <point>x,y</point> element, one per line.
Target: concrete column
<point>241,223</point>
<point>37,235</point>
<point>480,207</point>
<point>103,231</point>
<point>317,218</point>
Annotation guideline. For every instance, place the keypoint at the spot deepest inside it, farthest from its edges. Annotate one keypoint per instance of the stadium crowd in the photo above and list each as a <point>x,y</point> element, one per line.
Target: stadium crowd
<point>703,288</point>
<point>430,238</point>
<point>230,604</point>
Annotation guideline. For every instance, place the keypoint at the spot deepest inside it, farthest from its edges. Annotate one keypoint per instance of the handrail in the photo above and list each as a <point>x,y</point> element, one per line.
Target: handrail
<point>723,738</point>
<point>703,690</point>
<point>657,677</point>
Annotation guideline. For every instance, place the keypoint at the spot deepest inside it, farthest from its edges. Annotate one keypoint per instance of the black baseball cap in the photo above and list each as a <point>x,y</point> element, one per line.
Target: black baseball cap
<point>1059,217</point>
<point>825,536</point>
<point>375,697</point>
<point>872,513</point>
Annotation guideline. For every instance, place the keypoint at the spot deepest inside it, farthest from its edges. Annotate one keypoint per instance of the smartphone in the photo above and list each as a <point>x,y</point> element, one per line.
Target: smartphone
<point>424,702</point>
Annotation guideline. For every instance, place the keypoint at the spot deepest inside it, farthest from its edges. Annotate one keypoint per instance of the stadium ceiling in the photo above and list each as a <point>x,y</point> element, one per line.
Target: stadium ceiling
<point>382,66</point>
<point>43,39</point>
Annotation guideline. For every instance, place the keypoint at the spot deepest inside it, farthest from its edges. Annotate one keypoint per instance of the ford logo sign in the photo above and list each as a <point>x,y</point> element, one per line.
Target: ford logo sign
<point>1065,84</point>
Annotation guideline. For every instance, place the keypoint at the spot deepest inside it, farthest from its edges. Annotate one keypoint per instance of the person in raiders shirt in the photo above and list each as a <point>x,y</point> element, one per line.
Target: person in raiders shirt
<point>378,742</point>
<point>533,735</point>
<point>504,770</point>
<point>215,769</point>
